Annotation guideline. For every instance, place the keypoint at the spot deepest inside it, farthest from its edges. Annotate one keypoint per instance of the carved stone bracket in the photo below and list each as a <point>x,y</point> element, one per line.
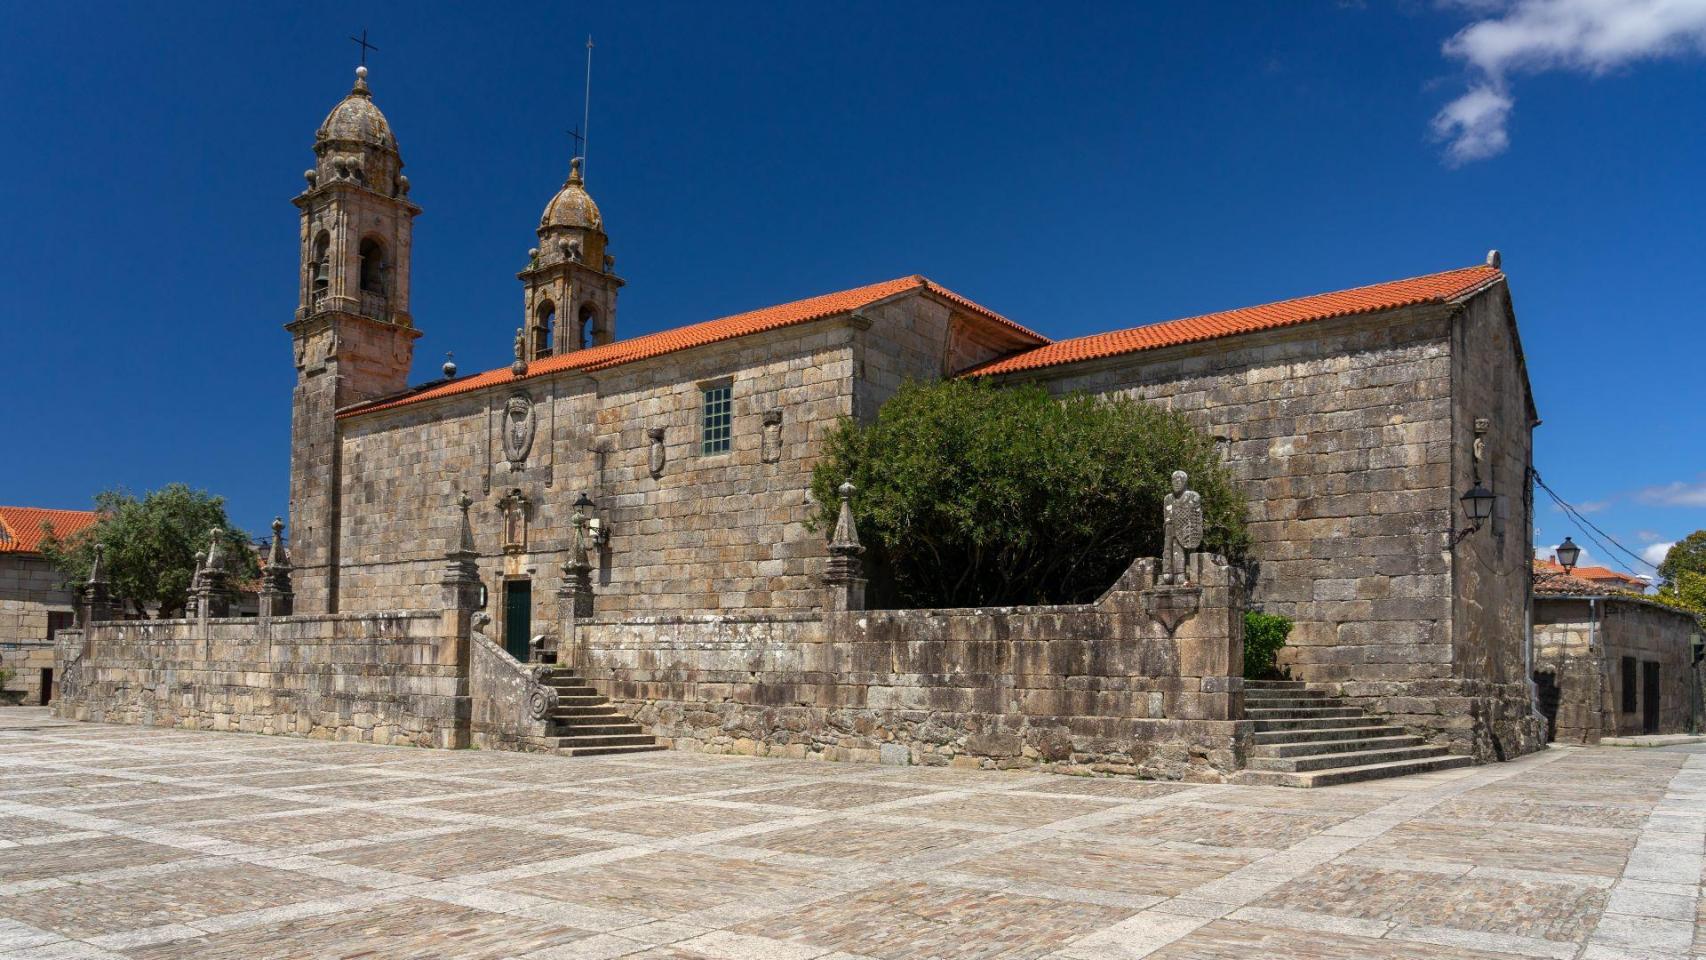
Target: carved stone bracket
<point>655,456</point>
<point>1172,605</point>
<point>770,450</point>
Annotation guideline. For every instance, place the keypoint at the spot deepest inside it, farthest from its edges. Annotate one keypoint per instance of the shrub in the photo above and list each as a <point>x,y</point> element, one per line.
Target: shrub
<point>972,494</point>
<point>1264,635</point>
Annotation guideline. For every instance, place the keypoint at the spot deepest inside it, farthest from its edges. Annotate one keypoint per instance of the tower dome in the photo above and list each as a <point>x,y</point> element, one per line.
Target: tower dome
<point>355,142</point>
<point>572,207</point>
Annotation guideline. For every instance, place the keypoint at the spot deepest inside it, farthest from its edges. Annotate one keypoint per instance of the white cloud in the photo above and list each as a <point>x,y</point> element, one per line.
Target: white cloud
<point>1655,553</point>
<point>1678,494</point>
<point>1534,36</point>
<point>1648,536</point>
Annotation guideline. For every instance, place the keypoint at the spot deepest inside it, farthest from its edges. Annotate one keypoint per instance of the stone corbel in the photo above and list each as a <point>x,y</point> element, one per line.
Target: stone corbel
<point>771,448</point>
<point>655,457</point>
<point>1171,605</point>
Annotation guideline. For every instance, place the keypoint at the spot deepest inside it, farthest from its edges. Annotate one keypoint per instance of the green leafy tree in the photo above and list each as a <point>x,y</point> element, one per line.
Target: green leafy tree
<point>1687,555</point>
<point>150,546</point>
<point>972,494</point>
<point>1264,635</point>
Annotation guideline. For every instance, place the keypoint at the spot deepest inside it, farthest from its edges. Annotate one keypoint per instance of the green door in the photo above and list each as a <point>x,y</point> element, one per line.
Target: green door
<point>518,617</point>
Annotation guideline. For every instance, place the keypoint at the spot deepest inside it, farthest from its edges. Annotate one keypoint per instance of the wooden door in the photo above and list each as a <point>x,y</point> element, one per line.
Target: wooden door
<point>518,617</point>
<point>1649,697</point>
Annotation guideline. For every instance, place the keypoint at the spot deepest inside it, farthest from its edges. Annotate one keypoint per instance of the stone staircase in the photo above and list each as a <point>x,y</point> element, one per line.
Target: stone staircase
<point>586,725</point>
<point>1305,738</point>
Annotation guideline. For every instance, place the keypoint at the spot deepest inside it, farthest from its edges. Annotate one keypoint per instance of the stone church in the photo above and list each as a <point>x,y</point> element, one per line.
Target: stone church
<point>679,463</point>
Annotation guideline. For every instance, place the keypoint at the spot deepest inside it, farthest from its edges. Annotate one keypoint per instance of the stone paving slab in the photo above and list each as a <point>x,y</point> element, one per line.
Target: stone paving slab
<point>127,843</point>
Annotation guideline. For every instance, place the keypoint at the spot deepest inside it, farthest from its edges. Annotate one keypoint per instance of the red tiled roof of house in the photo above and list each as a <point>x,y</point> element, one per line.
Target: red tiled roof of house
<point>1433,288</point>
<point>21,527</point>
<point>1600,577</point>
<point>700,334</point>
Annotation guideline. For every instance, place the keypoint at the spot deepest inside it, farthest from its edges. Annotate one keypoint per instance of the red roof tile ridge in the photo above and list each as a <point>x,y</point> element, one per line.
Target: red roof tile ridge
<point>1438,287</point>
<point>692,335</point>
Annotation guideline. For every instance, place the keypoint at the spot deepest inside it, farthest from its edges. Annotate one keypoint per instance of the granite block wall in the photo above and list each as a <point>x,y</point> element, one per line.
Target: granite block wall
<point>31,591</point>
<point>1349,442</point>
<point>1100,687</point>
<point>1581,645</point>
<point>392,678</point>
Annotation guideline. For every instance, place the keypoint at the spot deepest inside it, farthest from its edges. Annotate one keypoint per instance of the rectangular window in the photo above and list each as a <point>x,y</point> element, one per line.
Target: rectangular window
<point>716,419</point>
<point>1629,685</point>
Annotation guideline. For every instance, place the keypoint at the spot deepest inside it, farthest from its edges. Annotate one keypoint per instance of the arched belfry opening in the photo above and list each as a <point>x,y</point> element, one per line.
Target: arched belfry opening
<point>544,329</point>
<point>586,327</point>
<point>372,266</point>
<point>320,267</point>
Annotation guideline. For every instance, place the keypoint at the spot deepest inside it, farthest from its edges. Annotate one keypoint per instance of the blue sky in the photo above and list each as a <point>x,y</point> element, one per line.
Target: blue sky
<point>1079,168</point>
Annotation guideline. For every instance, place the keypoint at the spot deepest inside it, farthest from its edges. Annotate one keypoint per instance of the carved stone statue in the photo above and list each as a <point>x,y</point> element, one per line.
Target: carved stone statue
<point>1182,525</point>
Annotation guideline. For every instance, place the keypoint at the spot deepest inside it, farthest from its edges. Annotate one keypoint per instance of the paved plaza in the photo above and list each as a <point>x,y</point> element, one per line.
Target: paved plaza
<point>144,843</point>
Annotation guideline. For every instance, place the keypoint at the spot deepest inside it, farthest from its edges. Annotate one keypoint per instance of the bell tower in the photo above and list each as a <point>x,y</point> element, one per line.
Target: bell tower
<point>570,282</point>
<point>353,334</point>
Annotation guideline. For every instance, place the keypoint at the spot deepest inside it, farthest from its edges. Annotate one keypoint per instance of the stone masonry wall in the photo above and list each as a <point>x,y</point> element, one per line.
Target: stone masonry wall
<point>30,589</point>
<point>1340,433</point>
<point>1092,687</point>
<point>394,678</point>
<point>1583,645</point>
<point>710,532</point>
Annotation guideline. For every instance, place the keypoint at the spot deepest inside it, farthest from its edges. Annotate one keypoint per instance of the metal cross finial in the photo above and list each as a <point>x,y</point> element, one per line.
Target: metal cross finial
<point>575,135</point>
<point>365,46</point>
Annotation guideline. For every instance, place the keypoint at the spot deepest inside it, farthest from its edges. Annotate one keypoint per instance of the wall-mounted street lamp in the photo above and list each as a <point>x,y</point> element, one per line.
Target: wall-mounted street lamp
<point>596,532</point>
<point>1568,554</point>
<point>1478,504</point>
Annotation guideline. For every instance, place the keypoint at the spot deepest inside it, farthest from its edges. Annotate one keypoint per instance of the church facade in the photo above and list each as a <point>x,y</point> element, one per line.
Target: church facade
<point>1356,421</point>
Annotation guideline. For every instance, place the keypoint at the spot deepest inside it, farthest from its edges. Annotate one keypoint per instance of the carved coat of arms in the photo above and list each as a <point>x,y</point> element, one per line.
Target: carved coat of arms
<point>518,426</point>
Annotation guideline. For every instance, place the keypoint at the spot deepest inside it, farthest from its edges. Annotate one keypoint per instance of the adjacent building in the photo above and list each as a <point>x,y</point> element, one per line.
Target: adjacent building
<point>1611,663</point>
<point>35,602</point>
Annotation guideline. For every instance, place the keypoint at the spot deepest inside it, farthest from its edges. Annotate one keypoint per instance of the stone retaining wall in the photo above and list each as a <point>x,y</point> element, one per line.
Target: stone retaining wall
<point>394,678</point>
<point>1099,687</point>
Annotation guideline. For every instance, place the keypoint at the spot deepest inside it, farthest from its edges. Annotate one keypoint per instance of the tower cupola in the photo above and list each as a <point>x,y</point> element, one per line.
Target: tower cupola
<point>571,284</point>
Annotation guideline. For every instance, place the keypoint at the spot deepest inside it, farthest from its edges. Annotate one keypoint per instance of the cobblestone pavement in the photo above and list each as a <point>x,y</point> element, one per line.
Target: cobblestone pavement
<point>142,843</point>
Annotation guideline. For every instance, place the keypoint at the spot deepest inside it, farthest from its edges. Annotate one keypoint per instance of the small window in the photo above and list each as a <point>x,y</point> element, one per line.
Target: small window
<point>1630,703</point>
<point>716,420</point>
<point>372,266</point>
<point>58,620</point>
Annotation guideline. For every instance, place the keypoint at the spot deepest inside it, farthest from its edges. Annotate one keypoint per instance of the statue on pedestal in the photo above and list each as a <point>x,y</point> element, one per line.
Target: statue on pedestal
<point>1182,524</point>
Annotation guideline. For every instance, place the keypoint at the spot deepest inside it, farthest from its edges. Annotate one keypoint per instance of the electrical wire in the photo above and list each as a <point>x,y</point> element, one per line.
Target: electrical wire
<point>1583,524</point>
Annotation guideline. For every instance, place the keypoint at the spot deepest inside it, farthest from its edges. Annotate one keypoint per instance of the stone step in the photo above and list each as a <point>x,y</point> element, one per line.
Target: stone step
<point>607,751</point>
<point>1345,745</point>
<point>1362,729</point>
<point>1356,774</point>
<point>583,700</point>
<point>1311,723</point>
<point>1353,758</point>
<point>607,740</point>
<point>1300,713</point>
<point>1288,703</point>
<point>1273,684</point>
<point>604,710</point>
<point>623,728</point>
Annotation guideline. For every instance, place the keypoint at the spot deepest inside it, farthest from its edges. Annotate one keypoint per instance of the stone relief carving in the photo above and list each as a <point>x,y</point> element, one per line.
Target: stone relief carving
<point>519,425</point>
<point>771,448</point>
<point>515,509</point>
<point>1183,525</point>
<point>655,457</point>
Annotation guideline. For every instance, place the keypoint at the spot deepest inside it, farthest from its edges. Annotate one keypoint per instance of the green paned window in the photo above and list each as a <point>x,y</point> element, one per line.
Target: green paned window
<point>716,419</point>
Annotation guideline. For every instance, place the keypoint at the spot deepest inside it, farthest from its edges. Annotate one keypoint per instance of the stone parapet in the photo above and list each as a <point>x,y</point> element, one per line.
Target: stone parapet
<point>374,678</point>
<point>1102,687</point>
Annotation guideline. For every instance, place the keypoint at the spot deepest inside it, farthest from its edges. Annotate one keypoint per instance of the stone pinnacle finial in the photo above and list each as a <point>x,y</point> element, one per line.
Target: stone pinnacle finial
<point>519,367</point>
<point>465,541</point>
<point>1493,259</point>
<point>846,538</point>
<point>275,555</point>
<point>97,573</point>
<point>449,365</point>
<point>360,89</point>
<point>575,171</point>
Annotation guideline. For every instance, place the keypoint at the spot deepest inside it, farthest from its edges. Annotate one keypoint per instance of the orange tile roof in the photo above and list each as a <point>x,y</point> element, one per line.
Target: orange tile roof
<point>1433,288</point>
<point>21,527</point>
<point>1594,575</point>
<point>700,334</point>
